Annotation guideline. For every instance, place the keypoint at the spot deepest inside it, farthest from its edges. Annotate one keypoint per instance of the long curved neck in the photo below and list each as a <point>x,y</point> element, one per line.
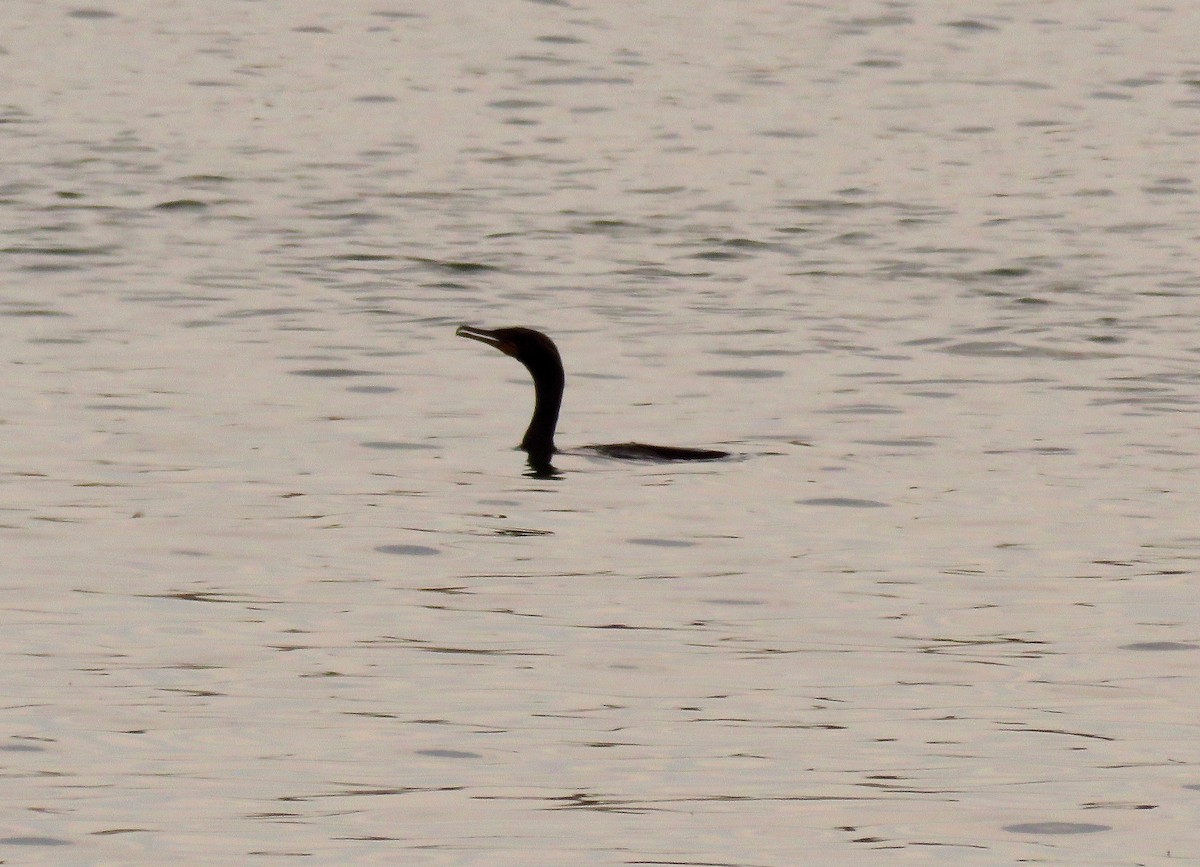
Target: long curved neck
<point>548,383</point>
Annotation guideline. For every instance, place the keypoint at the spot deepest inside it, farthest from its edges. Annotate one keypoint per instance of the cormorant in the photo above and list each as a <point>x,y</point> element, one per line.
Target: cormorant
<point>540,356</point>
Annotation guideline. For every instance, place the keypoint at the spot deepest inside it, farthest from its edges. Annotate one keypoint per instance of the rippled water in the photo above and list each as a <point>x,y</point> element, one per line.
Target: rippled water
<point>277,588</point>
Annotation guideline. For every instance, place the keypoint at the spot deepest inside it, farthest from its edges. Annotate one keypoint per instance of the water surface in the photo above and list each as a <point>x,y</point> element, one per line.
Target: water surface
<point>278,589</point>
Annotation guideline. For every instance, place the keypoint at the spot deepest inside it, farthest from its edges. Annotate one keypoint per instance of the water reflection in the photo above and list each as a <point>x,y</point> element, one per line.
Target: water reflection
<point>539,468</point>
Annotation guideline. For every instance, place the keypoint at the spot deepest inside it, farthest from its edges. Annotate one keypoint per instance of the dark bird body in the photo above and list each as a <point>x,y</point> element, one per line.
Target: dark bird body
<point>540,356</point>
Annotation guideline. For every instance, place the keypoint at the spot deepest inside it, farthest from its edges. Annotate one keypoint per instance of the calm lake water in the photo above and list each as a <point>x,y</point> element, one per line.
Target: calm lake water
<point>277,589</point>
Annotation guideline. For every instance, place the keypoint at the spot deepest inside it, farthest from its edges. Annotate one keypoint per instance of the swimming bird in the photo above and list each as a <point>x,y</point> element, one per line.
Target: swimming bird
<point>540,356</point>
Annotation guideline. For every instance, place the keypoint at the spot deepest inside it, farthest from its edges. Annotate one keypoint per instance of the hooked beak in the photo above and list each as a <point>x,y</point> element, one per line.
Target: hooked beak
<point>480,334</point>
<point>484,336</point>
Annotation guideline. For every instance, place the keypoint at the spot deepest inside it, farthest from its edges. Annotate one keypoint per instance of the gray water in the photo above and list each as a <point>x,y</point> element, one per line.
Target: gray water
<point>277,589</point>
